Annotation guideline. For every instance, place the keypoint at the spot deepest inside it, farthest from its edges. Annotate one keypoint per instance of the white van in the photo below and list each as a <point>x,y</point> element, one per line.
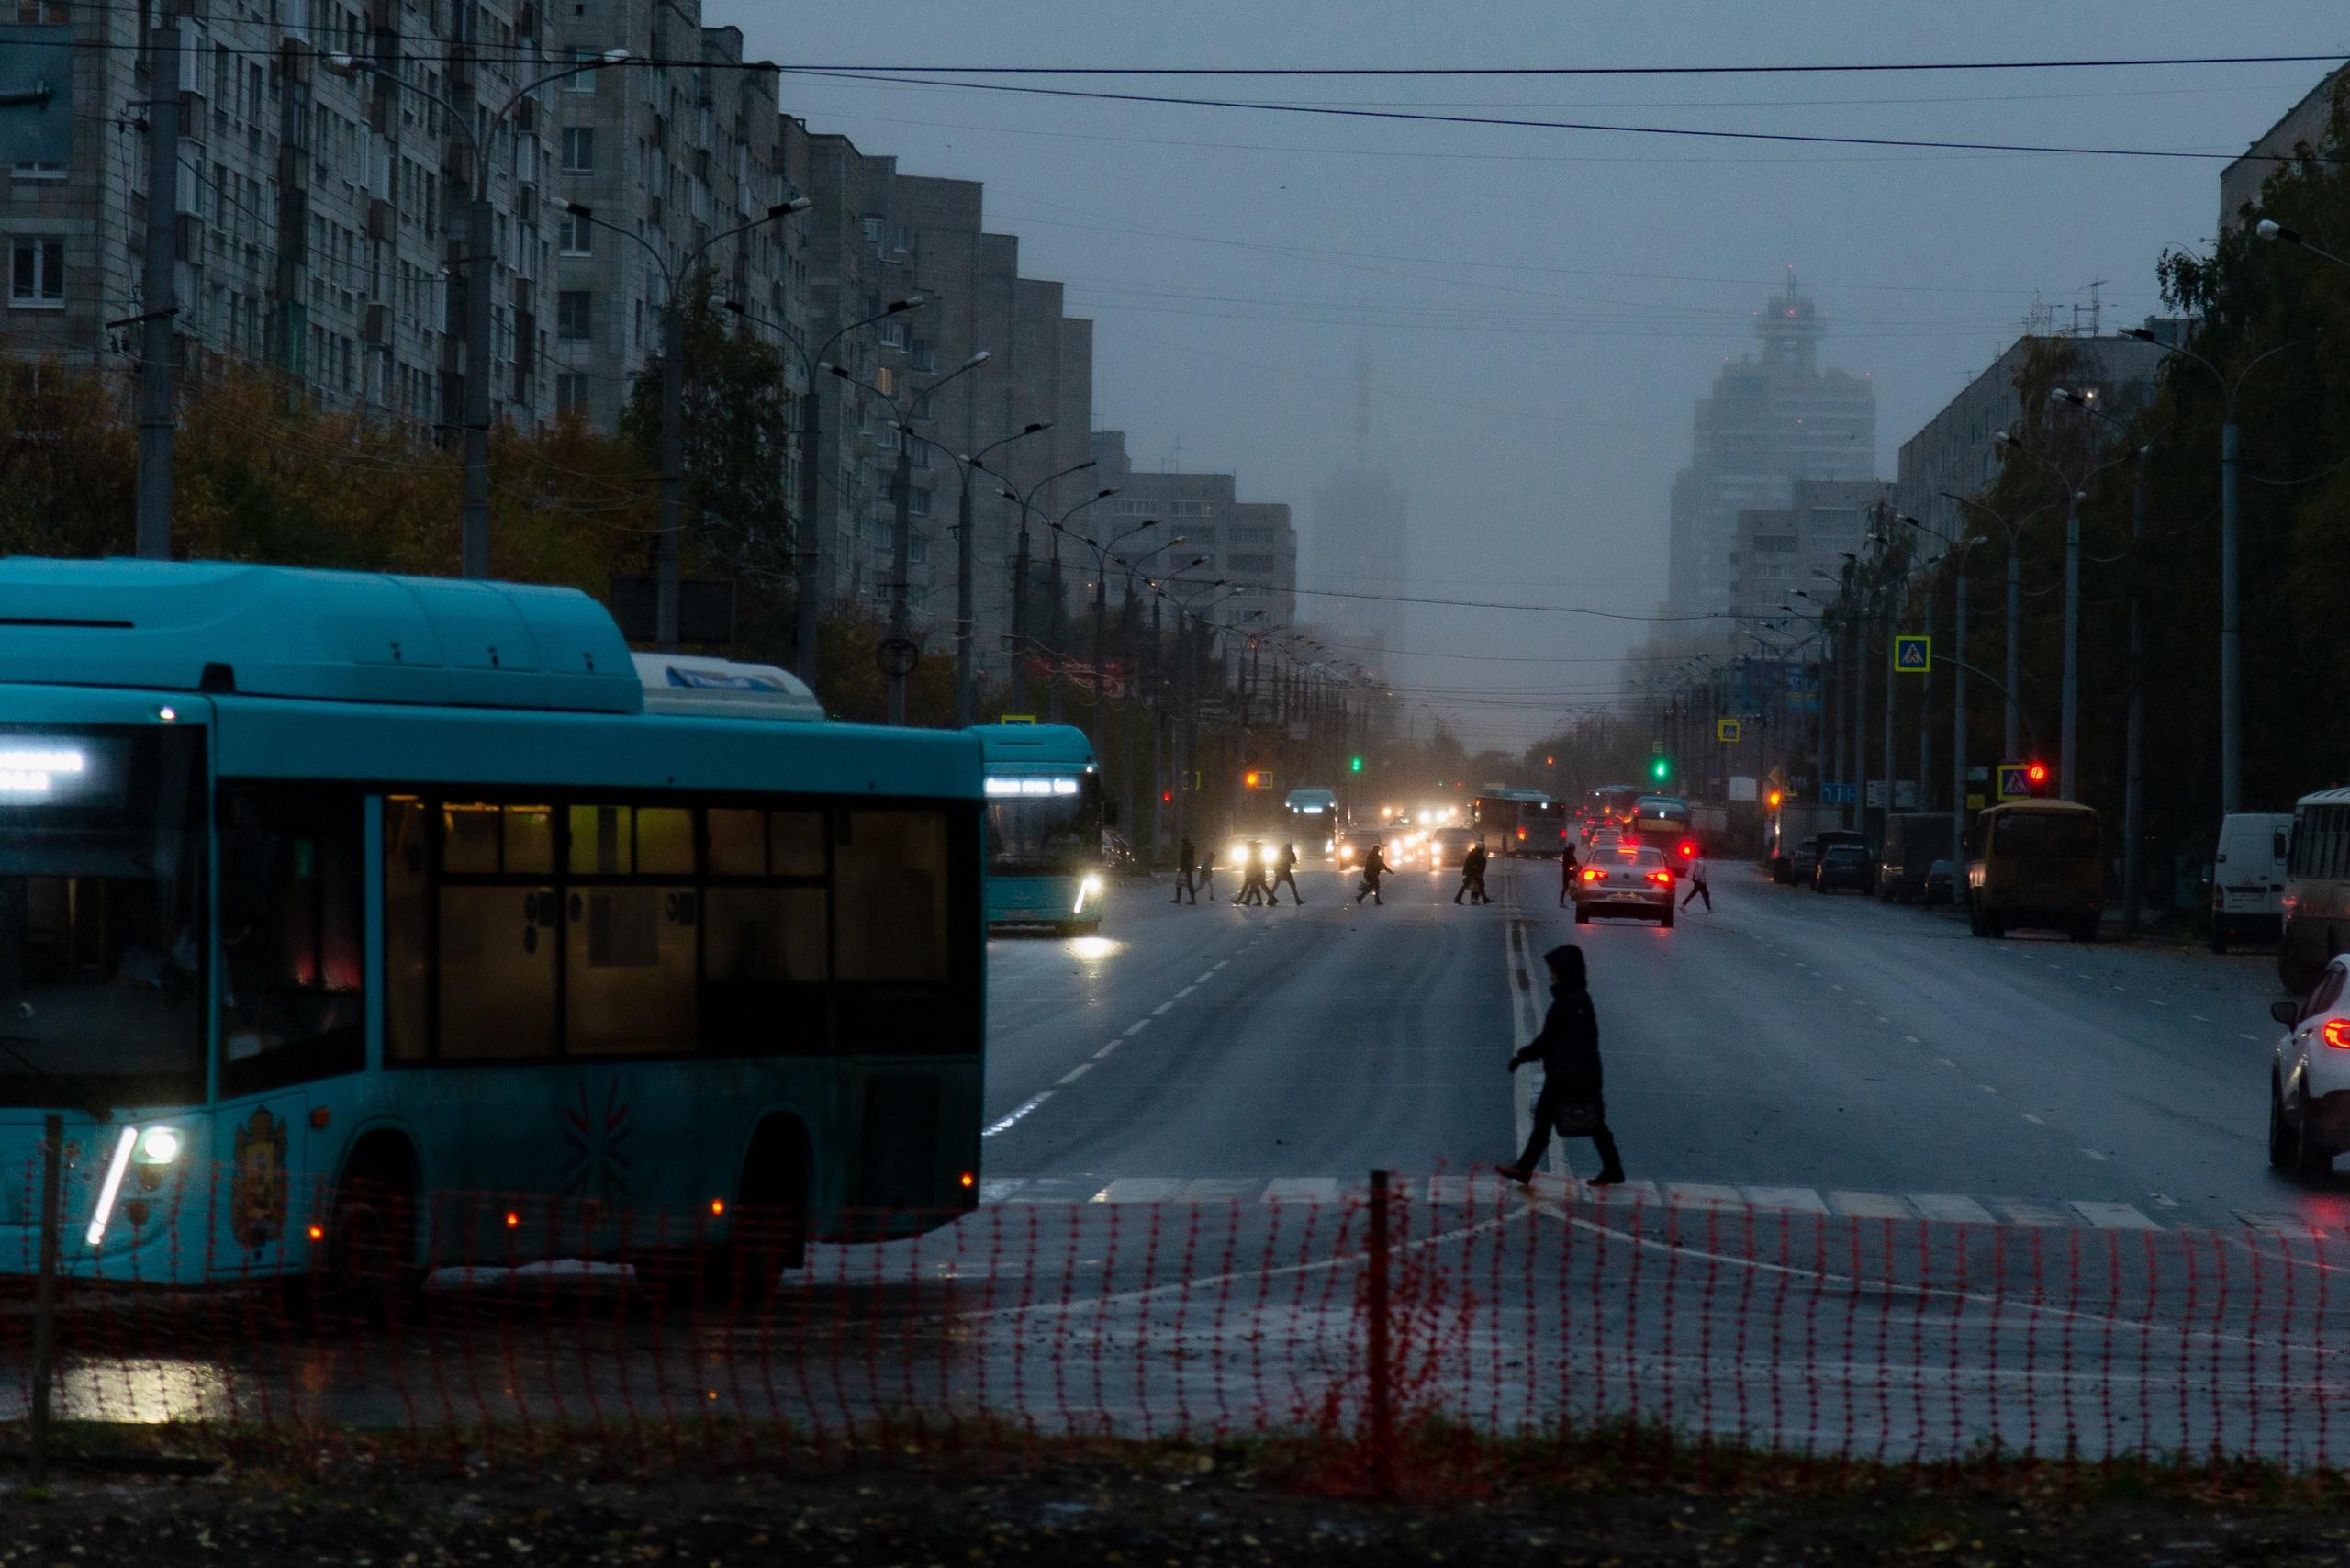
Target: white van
<point>2248,878</point>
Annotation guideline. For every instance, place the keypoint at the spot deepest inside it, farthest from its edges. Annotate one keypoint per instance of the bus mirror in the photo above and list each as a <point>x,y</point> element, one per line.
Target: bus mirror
<point>2286,1012</point>
<point>1109,813</point>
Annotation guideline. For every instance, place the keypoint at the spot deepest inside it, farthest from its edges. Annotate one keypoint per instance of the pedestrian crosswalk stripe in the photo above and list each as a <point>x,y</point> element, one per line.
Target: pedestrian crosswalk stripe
<point>1484,1189</point>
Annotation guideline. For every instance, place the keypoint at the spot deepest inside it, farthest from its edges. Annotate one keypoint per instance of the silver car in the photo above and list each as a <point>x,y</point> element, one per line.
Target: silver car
<point>1627,878</point>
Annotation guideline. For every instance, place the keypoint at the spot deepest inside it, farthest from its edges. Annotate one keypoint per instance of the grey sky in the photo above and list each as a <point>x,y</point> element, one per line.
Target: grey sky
<point>1543,307</point>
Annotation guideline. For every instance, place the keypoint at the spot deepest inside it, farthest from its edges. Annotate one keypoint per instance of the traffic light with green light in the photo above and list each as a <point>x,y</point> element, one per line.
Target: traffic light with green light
<point>1354,764</point>
<point>1659,769</point>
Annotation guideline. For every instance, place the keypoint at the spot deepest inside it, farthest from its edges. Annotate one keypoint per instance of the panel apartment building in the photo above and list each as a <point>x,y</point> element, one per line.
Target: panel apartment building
<point>1243,543</point>
<point>322,214</point>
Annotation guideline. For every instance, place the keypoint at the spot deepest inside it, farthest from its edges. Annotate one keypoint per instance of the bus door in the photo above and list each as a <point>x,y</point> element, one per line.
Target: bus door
<point>292,1014</point>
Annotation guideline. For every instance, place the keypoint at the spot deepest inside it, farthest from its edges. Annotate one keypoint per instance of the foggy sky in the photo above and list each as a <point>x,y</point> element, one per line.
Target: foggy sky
<point>1543,307</point>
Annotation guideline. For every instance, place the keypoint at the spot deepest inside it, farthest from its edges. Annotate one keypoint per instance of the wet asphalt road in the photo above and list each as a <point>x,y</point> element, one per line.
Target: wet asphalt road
<point>1788,1042</point>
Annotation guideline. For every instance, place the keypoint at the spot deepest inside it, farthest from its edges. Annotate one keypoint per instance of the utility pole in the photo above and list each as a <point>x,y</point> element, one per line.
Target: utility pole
<point>2231,625</point>
<point>1054,634</point>
<point>2068,712</point>
<point>1158,724</point>
<point>160,302</point>
<point>480,280</point>
<point>673,464</point>
<point>810,542</point>
<point>901,534</point>
<point>1925,730</point>
<point>2134,795</point>
<point>1958,725</point>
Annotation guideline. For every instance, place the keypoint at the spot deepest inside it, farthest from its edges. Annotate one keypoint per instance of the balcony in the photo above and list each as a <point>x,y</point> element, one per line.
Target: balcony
<point>383,219</point>
<point>376,326</point>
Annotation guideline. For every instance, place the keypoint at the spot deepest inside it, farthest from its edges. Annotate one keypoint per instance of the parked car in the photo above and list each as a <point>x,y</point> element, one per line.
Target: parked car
<point>2309,1081</point>
<point>1941,883</point>
<point>1628,879</point>
<point>1804,862</point>
<point>2248,878</point>
<point>1907,853</point>
<point>1843,865</point>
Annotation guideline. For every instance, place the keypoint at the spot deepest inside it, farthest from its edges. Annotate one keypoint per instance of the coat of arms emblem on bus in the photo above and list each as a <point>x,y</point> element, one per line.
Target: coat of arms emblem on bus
<point>257,1199</point>
<point>599,1168</point>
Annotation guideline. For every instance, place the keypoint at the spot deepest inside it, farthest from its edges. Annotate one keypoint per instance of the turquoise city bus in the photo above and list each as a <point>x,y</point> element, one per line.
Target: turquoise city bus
<point>350,919</point>
<point>1044,821</point>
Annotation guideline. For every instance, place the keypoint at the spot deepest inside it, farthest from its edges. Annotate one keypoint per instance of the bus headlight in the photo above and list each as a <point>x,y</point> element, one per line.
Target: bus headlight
<point>157,1145</point>
<point>1090,888</point>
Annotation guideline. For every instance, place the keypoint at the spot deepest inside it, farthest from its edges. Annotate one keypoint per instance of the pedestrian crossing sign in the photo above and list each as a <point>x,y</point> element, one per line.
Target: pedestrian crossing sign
<point>2015,781</point>
<point>1912,653</point>
<point>1727,730</point>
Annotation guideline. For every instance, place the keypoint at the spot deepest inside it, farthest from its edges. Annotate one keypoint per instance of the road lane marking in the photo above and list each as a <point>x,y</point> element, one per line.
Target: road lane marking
<point>1217,965</point>
<point>1799,1200</point>
<point>1302,1190</point>
<point>1207,977</point>
<point>1870,1205</point>
<point>997,1189</point>
<point>1187,990</point>
<point>1946,1062</point>
<point>1073,1074</point>
<point>2093,1154</point>
<point>1137,1027</point>
<point>1105,1050</point>
<point>2035,1120</point>
<point>2020,1211</point>
<point>1162,1009</point>
<point>2158,1004</point>
<point>1006,1124</point>
<point>1913,1039</point>
<point>1986,1089</point>
<point>1138,1190</point>
<point>2199,1018</point>
<point>1703,1195</point>
<point>1950,1207</point>
<point>2111,1217</point>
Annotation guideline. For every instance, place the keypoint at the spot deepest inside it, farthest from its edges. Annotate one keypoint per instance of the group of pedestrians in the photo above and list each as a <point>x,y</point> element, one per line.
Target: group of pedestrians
<point>1192,874</point>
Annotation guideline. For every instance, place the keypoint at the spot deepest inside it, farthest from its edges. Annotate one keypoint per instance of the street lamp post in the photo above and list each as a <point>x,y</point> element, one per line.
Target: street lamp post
<point>1019,580</point>
<point>966,672</point>
<point>1964,547</point>
<point>2068,718</point>
<point>1102,555</point>
<point>2269,229</point>
<point>2230,631</point>
<point>810,543</point>
<point>2132,767</point>
<point>672,397</point>
<point>903,528</point>
<point>481,260</point>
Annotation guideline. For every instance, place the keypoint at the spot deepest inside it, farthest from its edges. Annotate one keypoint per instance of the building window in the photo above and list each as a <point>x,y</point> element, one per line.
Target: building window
<point>578,149</point>
<point>917,501</point>
<point>574,315</point>
<point>573,233</point>
<point>37,13</point>
<point>570,392</point>
<point>925,354</point>
<point>37,275</point>
<point>44,173</point>
<point>585,82</point>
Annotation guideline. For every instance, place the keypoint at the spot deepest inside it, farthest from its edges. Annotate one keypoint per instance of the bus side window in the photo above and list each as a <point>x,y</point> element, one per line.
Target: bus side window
<point>630,933</point>
<point>496,966</point>
<point>891,879</point>
<point>292,1008</point>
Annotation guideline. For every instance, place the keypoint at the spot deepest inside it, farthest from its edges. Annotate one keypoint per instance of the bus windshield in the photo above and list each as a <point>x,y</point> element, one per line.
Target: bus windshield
<point>1043,827</point>
<point>101,926</point>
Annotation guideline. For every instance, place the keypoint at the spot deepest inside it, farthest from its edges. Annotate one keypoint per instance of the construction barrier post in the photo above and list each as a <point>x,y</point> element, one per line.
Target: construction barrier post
<point>1382,1435</point>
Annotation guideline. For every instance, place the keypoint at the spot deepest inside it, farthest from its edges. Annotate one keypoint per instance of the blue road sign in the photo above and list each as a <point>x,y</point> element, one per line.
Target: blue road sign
<point>1913,654</point>
<point>2015,781</point>
<point>1836,794</point>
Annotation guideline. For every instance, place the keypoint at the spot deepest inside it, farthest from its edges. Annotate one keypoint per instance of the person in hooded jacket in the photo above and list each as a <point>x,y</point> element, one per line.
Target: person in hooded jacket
<point>1567,1049</point>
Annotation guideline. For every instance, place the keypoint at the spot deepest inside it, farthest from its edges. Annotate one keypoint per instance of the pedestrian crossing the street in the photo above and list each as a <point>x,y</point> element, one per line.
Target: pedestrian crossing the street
<point>1484,1189</point>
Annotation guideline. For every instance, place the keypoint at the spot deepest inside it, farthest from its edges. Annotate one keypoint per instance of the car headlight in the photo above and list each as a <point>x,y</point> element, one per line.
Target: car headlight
<point>1236,855</point>
<point>1266,856</point>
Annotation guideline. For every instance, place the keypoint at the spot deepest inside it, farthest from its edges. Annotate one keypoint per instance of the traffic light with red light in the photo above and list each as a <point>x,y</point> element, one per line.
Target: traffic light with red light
<point>2036,775</point>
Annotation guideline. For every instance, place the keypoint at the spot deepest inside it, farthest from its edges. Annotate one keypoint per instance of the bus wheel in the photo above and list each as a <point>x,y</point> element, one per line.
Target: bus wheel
<point>770,1223</point>
<point>368,1269</point>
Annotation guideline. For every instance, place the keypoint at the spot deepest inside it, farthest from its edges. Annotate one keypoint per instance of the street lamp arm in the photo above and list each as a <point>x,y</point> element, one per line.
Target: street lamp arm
<point>781,210</point>
<point>587,215</point>
<point>610,58</point>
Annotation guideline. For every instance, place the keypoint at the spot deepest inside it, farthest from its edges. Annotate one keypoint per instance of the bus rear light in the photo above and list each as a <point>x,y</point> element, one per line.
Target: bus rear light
<point>970,1180</point>
<point>513,1220</point>
<point>316,1234</point>
<point>717,1207</point>
<point>2336,1033</point>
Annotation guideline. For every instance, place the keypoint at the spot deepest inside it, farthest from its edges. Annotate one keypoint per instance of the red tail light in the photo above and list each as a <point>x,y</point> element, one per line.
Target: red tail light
<point>2337,1033</point>
<point>1521,835</point>
<point>1665,877</point>
<point>1592,875</point>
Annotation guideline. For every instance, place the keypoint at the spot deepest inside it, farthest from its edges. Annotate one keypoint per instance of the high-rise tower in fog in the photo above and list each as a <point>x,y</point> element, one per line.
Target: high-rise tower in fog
<point>1357,546</point>
<point>1771,419</point>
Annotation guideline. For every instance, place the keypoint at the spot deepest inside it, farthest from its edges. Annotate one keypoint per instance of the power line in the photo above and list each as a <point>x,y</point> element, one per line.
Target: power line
<point>1473,603</point>
<point>1857,68</point>
<point>1521,123</point>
